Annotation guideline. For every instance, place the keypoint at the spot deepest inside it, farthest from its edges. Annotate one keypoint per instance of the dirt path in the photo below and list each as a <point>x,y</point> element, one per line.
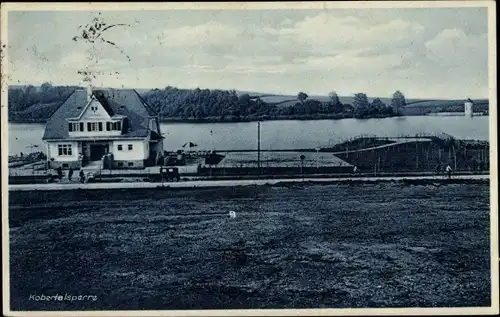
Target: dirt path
<point>230,183</point>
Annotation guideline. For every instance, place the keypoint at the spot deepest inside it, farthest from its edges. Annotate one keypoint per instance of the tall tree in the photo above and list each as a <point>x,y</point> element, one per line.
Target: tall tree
<point>302,96</point>
<point>335,106</point>
<point>46,87</point>
<point>360,101</point>
<point>361,105</point>
<point>334,98</point>
<point>398,101</point>
<point>244,101</point>
<point>378,105</point>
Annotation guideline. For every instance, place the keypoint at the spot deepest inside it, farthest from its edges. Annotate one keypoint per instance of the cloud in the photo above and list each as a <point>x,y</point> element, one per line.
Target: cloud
<point>268,69</point>
<point>79,60</point>
<point>327,33</point>
<point>313,51</point>
<point>74,59</point>
<point>210,33</point>
<point>354,64</point>
<point>286,22</point>
<point>291,45</point>
<point>452,47</point>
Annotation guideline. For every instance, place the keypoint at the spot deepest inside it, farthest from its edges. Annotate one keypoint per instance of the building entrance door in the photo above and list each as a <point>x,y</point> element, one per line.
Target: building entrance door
<point>97,151</point>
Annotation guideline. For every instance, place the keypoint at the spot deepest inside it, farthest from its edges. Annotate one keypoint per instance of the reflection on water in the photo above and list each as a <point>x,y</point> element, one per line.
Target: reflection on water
<point>286,134</point>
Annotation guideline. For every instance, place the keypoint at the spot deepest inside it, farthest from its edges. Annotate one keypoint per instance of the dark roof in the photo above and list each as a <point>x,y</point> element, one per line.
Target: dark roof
<point>125,102</point>
<point>105,104</point>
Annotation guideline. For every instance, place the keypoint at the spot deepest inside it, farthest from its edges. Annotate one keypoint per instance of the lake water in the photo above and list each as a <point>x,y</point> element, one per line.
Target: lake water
<point>286,134</point>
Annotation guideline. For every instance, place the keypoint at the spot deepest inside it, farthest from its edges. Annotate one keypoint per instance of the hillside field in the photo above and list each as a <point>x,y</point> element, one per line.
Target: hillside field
<point>413,107</point>
<point>296,246</point>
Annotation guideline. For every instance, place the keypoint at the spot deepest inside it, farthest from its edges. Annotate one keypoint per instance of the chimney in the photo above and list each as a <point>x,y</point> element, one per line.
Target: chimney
<point>89,93</point>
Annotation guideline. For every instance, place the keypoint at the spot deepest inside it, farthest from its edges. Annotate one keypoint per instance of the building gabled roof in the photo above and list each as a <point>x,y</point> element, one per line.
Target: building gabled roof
<point>105,105</point>
<point>125,102</point>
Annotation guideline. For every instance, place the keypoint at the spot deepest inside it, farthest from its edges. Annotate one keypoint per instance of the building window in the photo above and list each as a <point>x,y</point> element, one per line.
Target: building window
<point>64,150</point>
<point>65,165</point>
<point>130,163</point>
<point>120,164</point>
<point>117,126</point>
<point>94,126</point>
<point>75,127</point>
<point>120,147</point>
<point>130,147</point>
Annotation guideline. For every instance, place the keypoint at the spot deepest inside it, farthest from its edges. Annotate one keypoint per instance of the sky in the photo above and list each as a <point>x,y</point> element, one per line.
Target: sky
<point>424,52</point>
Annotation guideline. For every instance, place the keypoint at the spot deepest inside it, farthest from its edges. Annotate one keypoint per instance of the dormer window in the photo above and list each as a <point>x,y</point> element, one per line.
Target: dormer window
<point>117,126</point>
<point>94,126</point>
<point>75,127</point>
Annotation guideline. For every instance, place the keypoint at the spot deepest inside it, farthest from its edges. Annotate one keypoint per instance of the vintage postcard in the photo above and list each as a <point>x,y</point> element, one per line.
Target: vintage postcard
<point>249,159</point>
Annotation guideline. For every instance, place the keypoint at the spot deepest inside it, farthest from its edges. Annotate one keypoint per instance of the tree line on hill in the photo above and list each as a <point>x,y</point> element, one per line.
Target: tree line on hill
<point>227,105</point>
<point>174,104</point>
<point>31,104</point>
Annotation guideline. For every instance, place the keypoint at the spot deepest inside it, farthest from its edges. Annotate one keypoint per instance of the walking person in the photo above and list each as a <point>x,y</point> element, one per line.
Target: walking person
<point>159,158</point>
<point>355,170</point>
<point>70,173</point>
<point>82,176</point>
<point>448,170</point>
<point>59,173</point>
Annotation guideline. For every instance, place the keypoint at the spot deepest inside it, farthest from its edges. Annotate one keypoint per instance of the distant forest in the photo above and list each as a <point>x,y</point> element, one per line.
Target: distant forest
<point>37,104</point>
<point>227,105</point>
<point>32,104</point>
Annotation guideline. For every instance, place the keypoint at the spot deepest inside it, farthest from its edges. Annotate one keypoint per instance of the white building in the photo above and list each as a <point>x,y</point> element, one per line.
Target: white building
<point>90,124</point>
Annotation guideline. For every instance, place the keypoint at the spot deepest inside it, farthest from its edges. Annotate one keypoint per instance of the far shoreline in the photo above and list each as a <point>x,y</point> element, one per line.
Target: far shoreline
<point>243,120</point>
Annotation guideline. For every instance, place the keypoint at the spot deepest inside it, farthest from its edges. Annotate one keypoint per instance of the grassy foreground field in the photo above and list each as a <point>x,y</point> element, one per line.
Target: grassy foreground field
<point>318,246</point>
